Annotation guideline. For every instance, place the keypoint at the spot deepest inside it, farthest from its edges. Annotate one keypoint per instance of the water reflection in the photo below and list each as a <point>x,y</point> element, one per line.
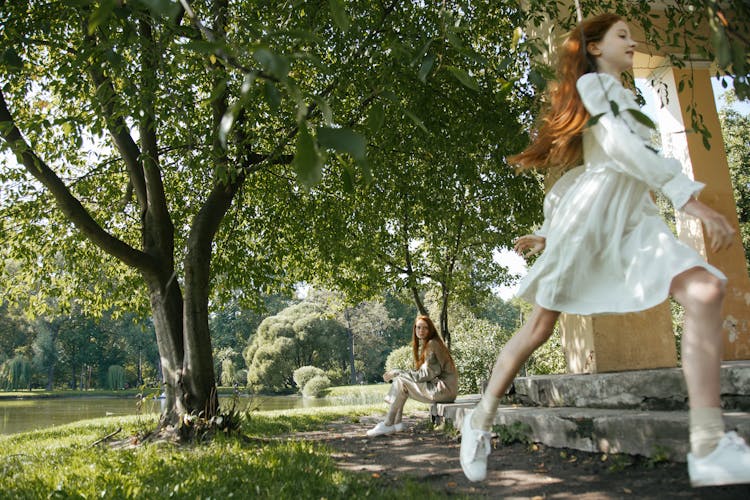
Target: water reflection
<point>19,415</point>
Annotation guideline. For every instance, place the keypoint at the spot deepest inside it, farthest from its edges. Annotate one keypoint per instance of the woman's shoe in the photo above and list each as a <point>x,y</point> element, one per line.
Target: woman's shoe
<point>729,463</point>
<point>475,446</point>
<point>381,429</point>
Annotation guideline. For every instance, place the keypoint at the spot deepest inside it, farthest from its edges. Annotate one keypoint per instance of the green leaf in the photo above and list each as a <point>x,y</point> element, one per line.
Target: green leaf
<point>307,162</point>
<point>227,121</point>
<point>272,95</point>
<point>463,77</point>
<point>454,40</point>
<point>376,118</point>
<point>615,108</point>
<point>340,17</point>
<point>517,33</point>
<point>721,45</point>
<point>101,14</point>
<point>642,118</point>
<point>594,119</point>
<point>344,140</point>
<point>161,8</point>
<point>426,67</point>
<point>218,90</point>
<point>391,96</point>
<point>325,109</point>
<point>537,79</point>
<point>416,120</point>
<point>12,59</point>
<point>272,63</point>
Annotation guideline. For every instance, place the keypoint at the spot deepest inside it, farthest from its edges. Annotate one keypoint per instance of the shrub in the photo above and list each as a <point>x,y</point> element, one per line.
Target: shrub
<point>228,372</point>
<point>16,373</point>
<point>337,376</point>
<point>400,359</point>
<point>549,358</point>
<point>240,377</point>
<point>116,377</point>
<point>315,386</point>
<point>304,374</point>
<point>476,344</point>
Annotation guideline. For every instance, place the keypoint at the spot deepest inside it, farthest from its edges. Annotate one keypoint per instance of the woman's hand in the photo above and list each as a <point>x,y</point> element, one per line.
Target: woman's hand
<point>390,375</point>
<point>718,230</point>
<point>529,244</point>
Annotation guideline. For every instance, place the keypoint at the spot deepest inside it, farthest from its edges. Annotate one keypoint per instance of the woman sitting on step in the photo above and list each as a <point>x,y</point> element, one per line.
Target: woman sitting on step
<point>434,379</point>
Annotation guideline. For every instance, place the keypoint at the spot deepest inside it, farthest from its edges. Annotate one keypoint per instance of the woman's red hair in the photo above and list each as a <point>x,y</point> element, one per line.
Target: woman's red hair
<point>419,357</point>
<point>558,141</point>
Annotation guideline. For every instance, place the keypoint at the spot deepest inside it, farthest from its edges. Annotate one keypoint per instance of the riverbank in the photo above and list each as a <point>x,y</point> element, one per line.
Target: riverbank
<point>339,393</point>
<point>43,410</point>
<point>65,461</point>
<point>322,453</point>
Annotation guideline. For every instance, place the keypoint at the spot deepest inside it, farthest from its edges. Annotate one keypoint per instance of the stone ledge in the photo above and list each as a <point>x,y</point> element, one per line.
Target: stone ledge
<point>634,432</point>
<point>657,389</point>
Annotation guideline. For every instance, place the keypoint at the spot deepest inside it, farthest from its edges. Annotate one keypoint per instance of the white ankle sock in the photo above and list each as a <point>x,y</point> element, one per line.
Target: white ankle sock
<point>484,413</point>
<point>706,430</point>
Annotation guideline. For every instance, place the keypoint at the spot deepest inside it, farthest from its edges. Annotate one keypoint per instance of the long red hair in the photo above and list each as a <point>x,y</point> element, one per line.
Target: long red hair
<point>558,142</point>
<point>420,354</point>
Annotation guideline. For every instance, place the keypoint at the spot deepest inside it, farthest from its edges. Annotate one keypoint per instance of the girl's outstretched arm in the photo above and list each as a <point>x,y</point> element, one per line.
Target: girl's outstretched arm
<point>529,244</point>
<point>720,233</point>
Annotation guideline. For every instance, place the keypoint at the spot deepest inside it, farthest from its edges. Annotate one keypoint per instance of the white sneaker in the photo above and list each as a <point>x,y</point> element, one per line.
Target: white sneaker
<point>400,427</point>
<point>475,448</point>
<point>729,463</point>
<point>381,429</point>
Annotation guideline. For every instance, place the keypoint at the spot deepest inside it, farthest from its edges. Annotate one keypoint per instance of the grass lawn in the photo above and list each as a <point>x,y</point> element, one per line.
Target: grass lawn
<point>62,463</point>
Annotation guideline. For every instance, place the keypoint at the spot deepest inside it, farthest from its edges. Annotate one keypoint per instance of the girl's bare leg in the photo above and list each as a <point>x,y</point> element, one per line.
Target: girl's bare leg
<point>534,332</point>
<point>702,294</point>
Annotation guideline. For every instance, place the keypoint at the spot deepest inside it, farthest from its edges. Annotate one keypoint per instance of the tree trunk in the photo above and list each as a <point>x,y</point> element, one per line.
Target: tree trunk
<point>139,372</point>
<point>166,307</point>
<point>350,335</point>
<point>198,366</point>
<point>444,316</point>
<point>50,376</point>
<point>418,301</point>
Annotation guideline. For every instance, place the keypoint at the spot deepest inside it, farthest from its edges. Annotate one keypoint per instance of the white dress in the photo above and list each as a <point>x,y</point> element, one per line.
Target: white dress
<point>608,249</point>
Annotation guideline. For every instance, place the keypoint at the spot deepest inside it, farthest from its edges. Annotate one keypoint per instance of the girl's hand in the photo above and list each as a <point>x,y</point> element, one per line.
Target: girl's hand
<point>390,375</point>
<point>529,244</point>
<point>718,230</point>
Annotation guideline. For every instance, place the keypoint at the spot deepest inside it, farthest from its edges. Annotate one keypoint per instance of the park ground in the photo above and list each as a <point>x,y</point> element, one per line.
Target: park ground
<point>517,470</point>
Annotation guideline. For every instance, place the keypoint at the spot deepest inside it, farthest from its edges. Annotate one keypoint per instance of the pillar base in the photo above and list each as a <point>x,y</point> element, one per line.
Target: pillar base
<point>611,343</point>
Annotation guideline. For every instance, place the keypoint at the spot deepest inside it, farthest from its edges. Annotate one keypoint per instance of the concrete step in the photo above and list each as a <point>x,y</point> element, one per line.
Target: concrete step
<point>658,389</point>
<point>662,434</point>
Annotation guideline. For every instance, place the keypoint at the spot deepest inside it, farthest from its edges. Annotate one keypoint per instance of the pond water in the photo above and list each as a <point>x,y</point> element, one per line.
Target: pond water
<point>19,415</point>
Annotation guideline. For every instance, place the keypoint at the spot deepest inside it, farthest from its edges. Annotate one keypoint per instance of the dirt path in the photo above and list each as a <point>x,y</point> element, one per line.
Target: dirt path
<point>517,471</point>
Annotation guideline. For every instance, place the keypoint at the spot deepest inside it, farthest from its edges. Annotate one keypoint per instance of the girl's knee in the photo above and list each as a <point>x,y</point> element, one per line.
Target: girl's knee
<point>709,291</point>
<point>543,324</point>
<point>398,384</point>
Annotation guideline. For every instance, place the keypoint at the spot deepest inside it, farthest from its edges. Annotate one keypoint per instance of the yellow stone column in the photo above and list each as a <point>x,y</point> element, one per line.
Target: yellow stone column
<point>710,167</point>
<point>610,343</point>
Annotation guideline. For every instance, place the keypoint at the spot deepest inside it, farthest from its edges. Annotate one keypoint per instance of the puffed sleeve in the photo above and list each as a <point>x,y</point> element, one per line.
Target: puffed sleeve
<point>555,194</point>
<point>629,152</point>
<point>430,369</point>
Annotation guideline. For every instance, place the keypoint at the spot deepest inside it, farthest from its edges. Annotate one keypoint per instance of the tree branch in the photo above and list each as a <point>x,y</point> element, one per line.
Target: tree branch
<point>118,129</point>
<point>157,214</point>
<point>69,205</point>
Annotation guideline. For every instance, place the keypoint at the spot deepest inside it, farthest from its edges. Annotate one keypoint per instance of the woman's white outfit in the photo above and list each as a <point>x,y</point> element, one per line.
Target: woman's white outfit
<point>607,248</point>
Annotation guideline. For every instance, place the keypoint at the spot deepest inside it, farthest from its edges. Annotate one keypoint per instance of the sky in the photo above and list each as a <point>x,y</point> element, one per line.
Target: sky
<point>516,264</point>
